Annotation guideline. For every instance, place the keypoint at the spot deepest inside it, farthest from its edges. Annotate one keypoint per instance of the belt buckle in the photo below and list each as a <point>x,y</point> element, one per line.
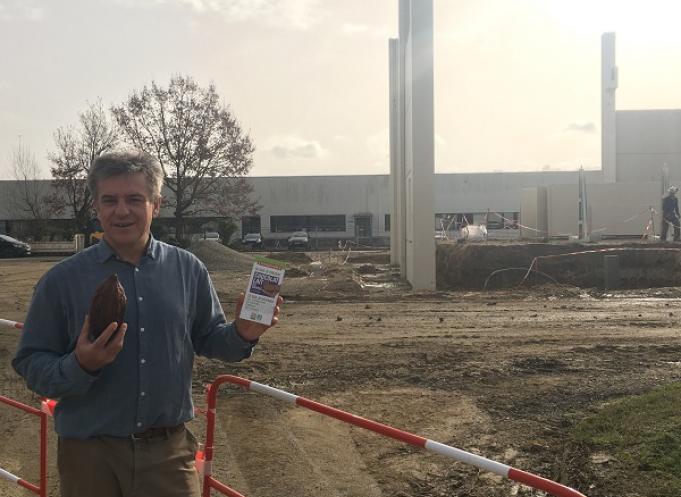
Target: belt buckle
<point>163,432</point>
<point>144,436</point>
<point>136,438</point>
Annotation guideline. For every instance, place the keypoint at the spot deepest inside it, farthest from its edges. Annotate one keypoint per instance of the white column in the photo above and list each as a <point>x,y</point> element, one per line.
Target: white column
<point>396,171</point>
<point>419,150</point>
<point>412,145</point>
<point>608,110</point>
<point>404,23</point>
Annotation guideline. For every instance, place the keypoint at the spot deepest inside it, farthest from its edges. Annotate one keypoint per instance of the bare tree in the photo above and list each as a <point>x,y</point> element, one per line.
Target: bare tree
<point>77,148</point>
<point>32,195</point>
<point>203,151</point>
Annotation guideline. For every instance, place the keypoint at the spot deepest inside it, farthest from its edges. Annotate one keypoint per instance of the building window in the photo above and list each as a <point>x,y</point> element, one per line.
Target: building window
<point>511,220</point>
<point>446,221</point>
<point>286,224</point>
<point>465,219</point>
<point>363,225</point>
<point>494,221</point>
<point>250,224</point>
<point>387,222</point>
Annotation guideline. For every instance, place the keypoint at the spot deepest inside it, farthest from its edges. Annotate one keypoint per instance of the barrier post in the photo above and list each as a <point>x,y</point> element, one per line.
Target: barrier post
<point>41,490</point>
<point>207,462</point>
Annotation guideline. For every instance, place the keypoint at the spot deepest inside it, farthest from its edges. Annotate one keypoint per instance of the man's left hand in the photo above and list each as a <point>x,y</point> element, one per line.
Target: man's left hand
<point>250,330</point>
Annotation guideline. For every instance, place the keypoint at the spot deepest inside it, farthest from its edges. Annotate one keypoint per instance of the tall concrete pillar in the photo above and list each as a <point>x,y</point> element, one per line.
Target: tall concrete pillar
<point>416,142</point>
<point>396,162</point>
<point>404,27</point>
<point>608,112</point>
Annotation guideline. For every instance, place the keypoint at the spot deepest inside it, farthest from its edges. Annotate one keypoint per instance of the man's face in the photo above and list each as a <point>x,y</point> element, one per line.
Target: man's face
<point>125,209</point>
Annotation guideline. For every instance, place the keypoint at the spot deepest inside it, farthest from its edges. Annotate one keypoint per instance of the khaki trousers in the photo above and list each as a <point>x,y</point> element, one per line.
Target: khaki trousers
<point>105,466</point>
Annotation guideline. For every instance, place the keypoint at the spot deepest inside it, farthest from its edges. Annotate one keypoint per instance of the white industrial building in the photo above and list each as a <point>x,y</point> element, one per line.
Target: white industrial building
<point>358,207</point>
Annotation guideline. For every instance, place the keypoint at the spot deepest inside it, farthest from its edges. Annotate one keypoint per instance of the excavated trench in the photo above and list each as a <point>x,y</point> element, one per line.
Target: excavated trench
<point>487,265</point>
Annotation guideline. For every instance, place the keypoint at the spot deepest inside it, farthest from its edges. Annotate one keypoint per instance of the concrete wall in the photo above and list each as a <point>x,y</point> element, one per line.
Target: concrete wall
<point>616,209</point>
<point>646,141</point>
<point>477,192</point>
<point>533,210</point>
<point>324,195</point>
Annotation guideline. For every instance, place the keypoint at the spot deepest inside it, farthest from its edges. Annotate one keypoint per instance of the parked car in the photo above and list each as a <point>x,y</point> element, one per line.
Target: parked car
<point>213,236</point>
<point>11,247</point>
<point>298,239</point>
<point>254,240</point>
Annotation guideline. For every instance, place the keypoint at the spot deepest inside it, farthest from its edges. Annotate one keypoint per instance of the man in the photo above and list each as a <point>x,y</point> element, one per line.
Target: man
<point>124,398</point>
<point>670,214</point>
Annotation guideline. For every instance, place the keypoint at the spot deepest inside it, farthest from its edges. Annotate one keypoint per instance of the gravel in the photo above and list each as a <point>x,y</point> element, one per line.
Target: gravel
<point>217,257</point>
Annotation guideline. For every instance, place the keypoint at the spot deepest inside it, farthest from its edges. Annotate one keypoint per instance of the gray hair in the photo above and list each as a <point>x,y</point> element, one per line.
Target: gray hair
<point>126,162</point>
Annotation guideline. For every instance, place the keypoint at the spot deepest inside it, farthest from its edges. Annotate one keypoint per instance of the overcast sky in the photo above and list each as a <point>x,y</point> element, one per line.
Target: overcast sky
<point>517,82</point>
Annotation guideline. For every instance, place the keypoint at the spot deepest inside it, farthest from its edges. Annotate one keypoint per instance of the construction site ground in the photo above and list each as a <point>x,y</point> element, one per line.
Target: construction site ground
<point>505,373</point>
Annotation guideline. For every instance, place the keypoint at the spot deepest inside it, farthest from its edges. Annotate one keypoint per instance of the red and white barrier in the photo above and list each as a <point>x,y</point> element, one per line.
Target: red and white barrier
<point>40,489</point>
<point>529,479</point>
<point>11,324</point>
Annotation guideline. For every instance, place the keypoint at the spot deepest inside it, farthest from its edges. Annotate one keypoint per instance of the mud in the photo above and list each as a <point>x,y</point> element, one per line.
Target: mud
<point>502,373</point>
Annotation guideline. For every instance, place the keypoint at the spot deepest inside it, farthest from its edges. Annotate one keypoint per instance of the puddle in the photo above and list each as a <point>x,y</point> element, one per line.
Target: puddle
<point>385,284</point>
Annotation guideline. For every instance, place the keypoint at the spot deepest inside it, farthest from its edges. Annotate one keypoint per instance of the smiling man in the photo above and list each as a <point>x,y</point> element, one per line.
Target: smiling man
<point>123,401</point>
<point>125,207</point>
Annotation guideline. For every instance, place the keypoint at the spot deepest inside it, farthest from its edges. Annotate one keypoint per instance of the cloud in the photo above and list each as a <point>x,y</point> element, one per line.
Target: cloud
<point>28,10</point>
<point>294,147</point>
<point>292,14</point>
<point>581,127</point>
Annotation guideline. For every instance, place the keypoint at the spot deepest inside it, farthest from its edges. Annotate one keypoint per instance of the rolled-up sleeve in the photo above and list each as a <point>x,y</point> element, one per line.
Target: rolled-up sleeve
<point>43,357</point>
<point>212,336</point>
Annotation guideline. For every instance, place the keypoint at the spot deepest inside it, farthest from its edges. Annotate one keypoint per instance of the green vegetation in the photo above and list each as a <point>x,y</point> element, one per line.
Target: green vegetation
<point>643,434</point>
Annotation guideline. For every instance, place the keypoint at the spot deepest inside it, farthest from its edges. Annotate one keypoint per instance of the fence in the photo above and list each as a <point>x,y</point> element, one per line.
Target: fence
<point>528,479</point>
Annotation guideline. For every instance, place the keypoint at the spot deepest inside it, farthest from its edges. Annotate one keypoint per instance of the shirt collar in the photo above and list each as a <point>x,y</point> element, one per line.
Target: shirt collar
<point>105,252</point>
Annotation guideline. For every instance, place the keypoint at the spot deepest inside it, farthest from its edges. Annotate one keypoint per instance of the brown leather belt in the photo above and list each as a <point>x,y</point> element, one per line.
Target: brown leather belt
<point>157,432</point>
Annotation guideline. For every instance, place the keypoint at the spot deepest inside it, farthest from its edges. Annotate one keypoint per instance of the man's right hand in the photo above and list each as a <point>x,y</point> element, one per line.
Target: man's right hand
<point>93,356</point>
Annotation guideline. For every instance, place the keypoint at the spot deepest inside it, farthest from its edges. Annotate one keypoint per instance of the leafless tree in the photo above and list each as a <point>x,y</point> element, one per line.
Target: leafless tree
<point>32,195</point>
<point>77,148</point>
<point>203,150</point>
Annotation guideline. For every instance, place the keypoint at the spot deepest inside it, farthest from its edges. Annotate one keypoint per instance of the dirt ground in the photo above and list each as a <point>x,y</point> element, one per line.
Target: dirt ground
<point>505,374</point>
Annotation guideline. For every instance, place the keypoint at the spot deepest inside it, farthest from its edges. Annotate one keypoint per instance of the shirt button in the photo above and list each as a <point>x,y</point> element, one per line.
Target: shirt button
<point>142,330</point>
<point>139,424</point>
<point>143,394</point>
<point>140,299</point>
<point>137,270</point>
<point>143,361</point>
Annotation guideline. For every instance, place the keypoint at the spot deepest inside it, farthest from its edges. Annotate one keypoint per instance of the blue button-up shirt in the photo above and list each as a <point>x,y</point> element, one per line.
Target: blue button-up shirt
<point>173,312</point>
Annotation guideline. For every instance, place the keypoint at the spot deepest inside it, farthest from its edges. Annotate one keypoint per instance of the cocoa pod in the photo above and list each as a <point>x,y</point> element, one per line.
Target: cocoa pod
<point>108,305</point>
